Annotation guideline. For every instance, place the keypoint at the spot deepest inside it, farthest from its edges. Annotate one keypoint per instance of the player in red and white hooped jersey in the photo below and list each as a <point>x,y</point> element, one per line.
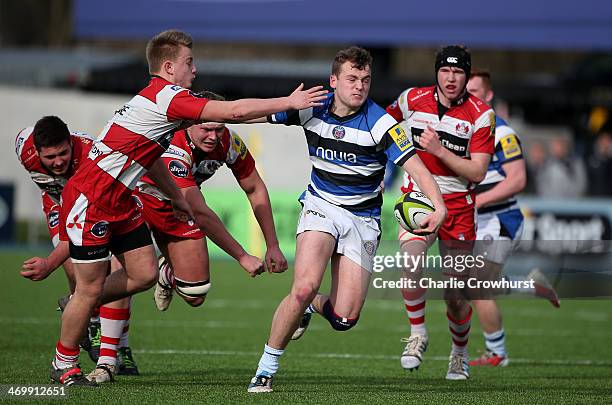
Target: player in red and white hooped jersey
<point>98,210</point>
<point>52,154</point>
<point>195,155</point>
<point>452,132</point>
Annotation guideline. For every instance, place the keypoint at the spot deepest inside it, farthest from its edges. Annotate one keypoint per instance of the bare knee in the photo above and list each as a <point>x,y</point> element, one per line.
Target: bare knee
<point>303,294</point>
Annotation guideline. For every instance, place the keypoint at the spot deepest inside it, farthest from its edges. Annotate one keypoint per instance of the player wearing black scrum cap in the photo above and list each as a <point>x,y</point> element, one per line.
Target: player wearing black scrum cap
<point>452,132</point>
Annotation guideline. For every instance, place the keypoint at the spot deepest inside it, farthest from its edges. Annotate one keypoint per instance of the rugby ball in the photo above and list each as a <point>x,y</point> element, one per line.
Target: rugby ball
<point>411,209</point>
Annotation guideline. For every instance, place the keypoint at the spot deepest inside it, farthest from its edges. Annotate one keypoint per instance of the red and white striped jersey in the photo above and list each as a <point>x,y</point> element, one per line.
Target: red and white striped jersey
<point>190,166</point>
<point>48,182</point>
<point>465,128</point>
<point>133,140</point>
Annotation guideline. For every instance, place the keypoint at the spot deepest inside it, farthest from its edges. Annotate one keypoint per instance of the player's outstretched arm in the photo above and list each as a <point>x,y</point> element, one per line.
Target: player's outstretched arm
<point>210,223</point>
<point>423,178</point>
<point>38,268</point>
<point>247,109</point>
<point>257,193</point>
<point>161,176</point>
<point>514,183</point>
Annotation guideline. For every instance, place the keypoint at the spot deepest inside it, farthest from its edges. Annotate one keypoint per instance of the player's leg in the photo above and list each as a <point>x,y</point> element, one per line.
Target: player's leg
<point>457,237</point>
<point>349,287</point>
<point>113,318</point>
<point>313,251</point>
<point>90,282</point>
<point>414,300</point>
<point>134,250</point>
<point>190,265</point>
<point>89,250</point>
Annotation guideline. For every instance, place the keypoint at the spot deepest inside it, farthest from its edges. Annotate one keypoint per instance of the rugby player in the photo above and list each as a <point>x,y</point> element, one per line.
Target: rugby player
<point>195,155</point>
<point>500,225</point>
<point>98,210</point>
<point>350,139</point>
<point>52,154</point>
<point>452,132</point>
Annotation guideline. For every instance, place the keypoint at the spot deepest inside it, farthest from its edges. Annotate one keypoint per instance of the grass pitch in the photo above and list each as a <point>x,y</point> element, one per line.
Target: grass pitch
<point>209,354</point>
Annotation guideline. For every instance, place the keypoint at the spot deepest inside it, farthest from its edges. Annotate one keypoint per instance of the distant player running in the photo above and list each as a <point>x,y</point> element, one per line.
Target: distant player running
<point>98,210</point>
<point>195,155</point>
<point>500,225</point>
<point>453,134</point>
<point>350,139</point>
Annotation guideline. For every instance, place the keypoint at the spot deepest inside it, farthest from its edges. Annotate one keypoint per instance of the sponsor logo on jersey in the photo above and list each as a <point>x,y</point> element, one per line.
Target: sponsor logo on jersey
<point>315,213</point>
<point>176,88</point>
<point>239,146</point>
<point>510,146</point>
<point>329,154</point>
<point>53,219</point>
<point>399,137</point>
<point>99,229</point>
<point>175,152</point>
<point>178,169</point>
<point>338,132</point>
<point>420,94</point>
<point>123,110</point>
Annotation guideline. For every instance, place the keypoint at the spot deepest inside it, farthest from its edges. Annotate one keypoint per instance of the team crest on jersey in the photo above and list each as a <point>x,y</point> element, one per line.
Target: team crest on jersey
<point>53,219</point>
<point>99,229</point>
<point>370,247</point>
<point>338,132</point>
<point>462,128</point>
<point>399,137</point>
<point>178,168</point>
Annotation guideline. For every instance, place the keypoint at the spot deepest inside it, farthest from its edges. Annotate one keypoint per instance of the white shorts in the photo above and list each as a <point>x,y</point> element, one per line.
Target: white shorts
<point>498,234</point>
<point>356,237</point>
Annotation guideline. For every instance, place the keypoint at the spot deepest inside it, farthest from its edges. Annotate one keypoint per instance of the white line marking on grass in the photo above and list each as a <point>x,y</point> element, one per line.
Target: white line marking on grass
<point>357,356</point>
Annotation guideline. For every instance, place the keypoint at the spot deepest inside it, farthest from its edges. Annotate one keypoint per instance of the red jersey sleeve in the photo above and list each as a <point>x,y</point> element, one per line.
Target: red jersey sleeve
<point>185,105</point>
<point>483,139</point>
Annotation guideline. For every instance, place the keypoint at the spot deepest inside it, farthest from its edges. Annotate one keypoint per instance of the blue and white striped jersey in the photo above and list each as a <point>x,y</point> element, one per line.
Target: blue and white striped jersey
<point>507,148</point>
<point>349,154</point>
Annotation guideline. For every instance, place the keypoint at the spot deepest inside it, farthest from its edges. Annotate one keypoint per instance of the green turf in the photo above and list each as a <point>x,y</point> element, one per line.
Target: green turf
<point>209,354</point>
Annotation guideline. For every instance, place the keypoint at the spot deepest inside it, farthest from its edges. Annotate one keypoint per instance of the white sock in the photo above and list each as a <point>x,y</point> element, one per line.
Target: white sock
<point>268,364</point>
<point>496,342</point>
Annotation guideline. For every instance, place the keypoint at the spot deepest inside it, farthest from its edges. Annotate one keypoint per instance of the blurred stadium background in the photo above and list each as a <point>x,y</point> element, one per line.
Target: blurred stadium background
<point>551,64</point>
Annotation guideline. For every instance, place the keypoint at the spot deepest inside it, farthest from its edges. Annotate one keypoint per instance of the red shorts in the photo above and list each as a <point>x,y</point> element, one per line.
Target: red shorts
<point>159,216</point>
<point>93,232</point>
<point>51,208</point>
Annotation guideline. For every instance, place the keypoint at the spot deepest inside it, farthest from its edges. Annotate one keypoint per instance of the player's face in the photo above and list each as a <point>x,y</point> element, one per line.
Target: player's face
<point>183,67</point>
<point>351,85</point>
<point>57,158</point>
<point>477,87</point>
<point>206,136</point>
<point>451,81</point>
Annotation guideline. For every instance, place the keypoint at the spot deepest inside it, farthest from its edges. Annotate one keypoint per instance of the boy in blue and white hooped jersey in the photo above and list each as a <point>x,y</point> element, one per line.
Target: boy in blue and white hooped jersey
<point>500,226</point>
<point>350,139</point>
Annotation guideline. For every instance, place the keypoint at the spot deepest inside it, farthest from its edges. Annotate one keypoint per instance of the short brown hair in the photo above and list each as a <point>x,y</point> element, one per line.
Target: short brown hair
<point>359,57</point>
<point>485,75</point>
<point>165,46</point>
